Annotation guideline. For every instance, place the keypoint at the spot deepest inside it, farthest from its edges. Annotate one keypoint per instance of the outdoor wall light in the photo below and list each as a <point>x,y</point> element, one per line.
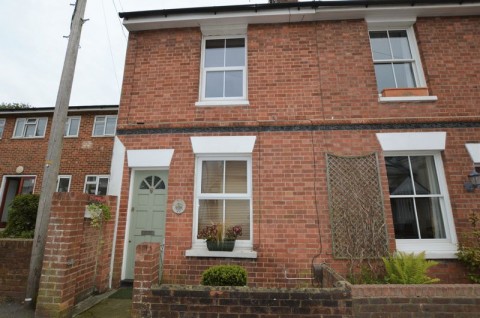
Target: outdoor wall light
<point>474,181</point>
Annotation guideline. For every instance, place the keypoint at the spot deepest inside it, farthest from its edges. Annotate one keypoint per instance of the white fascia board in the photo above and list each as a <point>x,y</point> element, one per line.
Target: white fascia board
<point>474,152</point>
<point>149,158</point>
<point>223,144</point>
<point>291,15</point>
<point>418,141</point>
<point>196,20</point>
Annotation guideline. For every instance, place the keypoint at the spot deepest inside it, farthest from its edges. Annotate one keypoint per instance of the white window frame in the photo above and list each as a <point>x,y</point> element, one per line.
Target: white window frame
<point>105,125</point>
<point>67,126</point>
<point>434,248</point>
<point>25,122</point>
<point>222,148</point>
<point>223,32</point>
<point>419,76</point>
<point>2,126</point>
<point>69,177</point>
<point>97,181</point>
<point>243,248</point>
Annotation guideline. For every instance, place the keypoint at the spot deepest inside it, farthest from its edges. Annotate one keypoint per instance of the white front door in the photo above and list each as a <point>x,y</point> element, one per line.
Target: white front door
<point>147,214</point>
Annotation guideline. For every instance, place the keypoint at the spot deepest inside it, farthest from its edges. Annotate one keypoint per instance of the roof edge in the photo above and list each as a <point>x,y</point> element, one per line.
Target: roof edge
<point>287,5</point>
<point>33,110</point>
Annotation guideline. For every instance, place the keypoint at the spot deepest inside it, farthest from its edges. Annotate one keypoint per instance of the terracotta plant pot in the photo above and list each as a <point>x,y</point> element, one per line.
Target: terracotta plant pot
<point>403,92</point>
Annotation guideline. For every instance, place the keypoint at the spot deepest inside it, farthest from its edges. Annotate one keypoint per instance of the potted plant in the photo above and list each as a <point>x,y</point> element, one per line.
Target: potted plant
<point>219,240</point>
<point>97,211</point>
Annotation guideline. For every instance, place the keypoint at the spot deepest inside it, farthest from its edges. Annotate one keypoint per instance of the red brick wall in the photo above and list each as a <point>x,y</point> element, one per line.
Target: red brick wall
<point>80,156</point>
<point>14,265</point>
<point>77,256</point>
<point>318,73</point>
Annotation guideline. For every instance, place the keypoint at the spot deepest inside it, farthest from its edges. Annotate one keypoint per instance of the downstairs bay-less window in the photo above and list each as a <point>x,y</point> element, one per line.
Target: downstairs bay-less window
<point>420,205</point>
<point>224,195</point>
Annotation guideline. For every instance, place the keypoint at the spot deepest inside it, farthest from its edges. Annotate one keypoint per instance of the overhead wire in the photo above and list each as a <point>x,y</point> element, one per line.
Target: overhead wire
<point>118,18</point>
<point>110,47</point>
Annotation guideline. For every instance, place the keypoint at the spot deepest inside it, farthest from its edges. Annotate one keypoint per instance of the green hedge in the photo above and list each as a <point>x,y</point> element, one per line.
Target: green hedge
<point>225,275</point>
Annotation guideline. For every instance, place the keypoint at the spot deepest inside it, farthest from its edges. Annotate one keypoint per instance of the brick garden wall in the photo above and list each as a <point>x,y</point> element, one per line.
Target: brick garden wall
<point>340,299</point>
<point>14,266</point>
<point>391,301</point>
<point>77,256</point>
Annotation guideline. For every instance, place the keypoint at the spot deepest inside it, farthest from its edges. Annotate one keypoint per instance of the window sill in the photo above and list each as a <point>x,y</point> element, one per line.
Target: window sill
<point>401,99</point>
<point>236,253</point>
<point>440,250</point>
<point>103,136</point>
<point>222,103</point>
<point>20,138</point>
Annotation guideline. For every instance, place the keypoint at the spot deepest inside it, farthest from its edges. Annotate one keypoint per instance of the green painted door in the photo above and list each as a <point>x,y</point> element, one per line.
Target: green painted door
<point>148,212</point>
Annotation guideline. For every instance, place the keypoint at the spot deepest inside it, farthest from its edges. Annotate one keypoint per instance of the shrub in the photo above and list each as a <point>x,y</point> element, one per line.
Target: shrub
<point>469,250</point>
<point>22,216</point>
<point>404,268</point>
<point>225,275</point>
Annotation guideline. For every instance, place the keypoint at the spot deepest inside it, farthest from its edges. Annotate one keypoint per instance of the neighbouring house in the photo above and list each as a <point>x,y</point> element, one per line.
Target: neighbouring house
<point>86,155</point>
<point>330,131</point>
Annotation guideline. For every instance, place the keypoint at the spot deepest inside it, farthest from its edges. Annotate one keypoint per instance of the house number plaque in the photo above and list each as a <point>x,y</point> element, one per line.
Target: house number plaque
<point>178,206</point>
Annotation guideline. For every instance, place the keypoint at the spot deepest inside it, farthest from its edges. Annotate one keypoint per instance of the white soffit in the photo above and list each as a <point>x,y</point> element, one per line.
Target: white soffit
<point>412,141</point>
<point>149,158</point>
<point>474,152</point>
<point>223,145</point>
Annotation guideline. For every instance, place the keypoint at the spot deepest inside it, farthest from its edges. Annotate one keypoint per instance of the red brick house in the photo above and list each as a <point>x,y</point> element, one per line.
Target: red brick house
<point>330,131</point>
<point>86,156</point>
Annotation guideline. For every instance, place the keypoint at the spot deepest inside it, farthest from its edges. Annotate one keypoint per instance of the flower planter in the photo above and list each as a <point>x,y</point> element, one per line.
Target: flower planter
<point>225,246</point>
<point>403,92</point>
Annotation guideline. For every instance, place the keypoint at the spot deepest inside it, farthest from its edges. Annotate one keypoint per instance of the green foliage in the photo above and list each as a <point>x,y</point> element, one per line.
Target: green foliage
<point>368,275</point>
<point>404,268</point>
<point>99,211</point>
<point>14,106</point>
<point>22,216</point>
<point>469,250</point>
<point>224,275</point>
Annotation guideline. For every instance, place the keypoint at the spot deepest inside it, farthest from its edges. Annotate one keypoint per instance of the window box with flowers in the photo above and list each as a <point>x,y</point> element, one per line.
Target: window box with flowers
<point>97,211</point>
<point>219,240</point>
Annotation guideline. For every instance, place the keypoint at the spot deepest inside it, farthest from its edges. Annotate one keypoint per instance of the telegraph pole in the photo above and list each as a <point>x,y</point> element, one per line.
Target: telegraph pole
<point>52,160</point>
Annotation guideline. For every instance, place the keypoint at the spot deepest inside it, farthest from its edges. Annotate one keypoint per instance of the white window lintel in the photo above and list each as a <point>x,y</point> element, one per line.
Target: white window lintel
<point>223,144</point>
<point>418,141</point>
<point>474,152</point>
<point>377,23</point>
<point>233,29</point>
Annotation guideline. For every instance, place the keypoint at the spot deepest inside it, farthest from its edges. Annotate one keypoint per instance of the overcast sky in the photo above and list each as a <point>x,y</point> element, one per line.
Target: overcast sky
<point>32,48</point>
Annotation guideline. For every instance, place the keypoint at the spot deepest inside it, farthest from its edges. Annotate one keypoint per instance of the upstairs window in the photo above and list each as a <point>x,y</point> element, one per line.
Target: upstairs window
<point>224,68</point>
<point>223,79</point>
<point>97,185</point>
<point>72,126</point>
<point>30,128</point>
<point>396,59</point>
<point>105,125</point>
<point>2,126</point>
